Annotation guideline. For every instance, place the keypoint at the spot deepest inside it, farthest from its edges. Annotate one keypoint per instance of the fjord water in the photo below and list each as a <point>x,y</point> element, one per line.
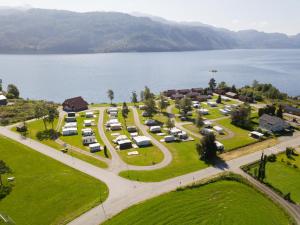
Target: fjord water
<point>56,77</point>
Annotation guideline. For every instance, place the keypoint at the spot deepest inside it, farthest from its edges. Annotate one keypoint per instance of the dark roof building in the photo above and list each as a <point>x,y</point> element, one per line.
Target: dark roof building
<point>292,110</point>
<point>192,95</point>
<point>169,93</point>
<point>183,91</point>
<point>177,96</point>
<point>272,123</point>
<point>198,90</point>
<point>75,104</point>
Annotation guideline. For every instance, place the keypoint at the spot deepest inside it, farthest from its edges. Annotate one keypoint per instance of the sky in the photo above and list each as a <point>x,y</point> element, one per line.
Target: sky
<point>263,15</point>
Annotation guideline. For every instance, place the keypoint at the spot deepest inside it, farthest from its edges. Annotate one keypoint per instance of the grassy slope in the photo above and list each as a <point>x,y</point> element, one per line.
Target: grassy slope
<point>223,202</point>
<point>46,191</point>
<point>284,177</point>
<point>38,125</point>
<point>185,160</point>
<point>147,156</point>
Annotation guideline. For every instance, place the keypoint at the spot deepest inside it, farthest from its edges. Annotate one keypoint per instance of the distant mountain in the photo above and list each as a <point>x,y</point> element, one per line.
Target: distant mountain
<point>38,31</point>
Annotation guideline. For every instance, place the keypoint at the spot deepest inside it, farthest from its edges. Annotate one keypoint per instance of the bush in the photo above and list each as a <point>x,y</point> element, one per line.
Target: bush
<point>4,191</point>
<point>47,134</point>
<point>295,166</point>
<point>272,158</point>
<point>288,163</point>
<point>10,96</point>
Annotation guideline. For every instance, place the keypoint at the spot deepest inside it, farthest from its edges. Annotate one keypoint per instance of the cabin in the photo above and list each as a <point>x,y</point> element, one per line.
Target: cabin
<point>150,122</point>
<point>89,114</point>
<point>88,140</point>
<point>169,138</point>
<point>220,130</point>
<point>207,124</point>
<point>142,141</point>
<point>88,123</point>
<point>69,131</point>
<point>87,132</point>
<point>256,135</point>
<point>112,109</point>
<point>220,146</point>
<point>132,129</point>
<point>75,104</point>
<point>155,129</point>
<point>169,93</point>
<point>231,95</point>
<point>212,104</point>
<point>95,147</point>
<point>291,110</point>
<point>175,131</point>
<point>70,119</point>
<point>112,121</point>
<point>120,138</point>
<point>124,144</point>
<point>272,123</point>
<point>203,111</point>
<point>3,100</point>
<point>206,131</point>
<point>71,114</point>
<point>116,126</point>
<point>177,96</point>
<point>70,125</point>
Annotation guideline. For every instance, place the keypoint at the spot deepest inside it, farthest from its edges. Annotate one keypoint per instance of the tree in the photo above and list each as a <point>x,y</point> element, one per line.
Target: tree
<point>279,112</point>
<point>52,115</point>
<point>150,106</point>
<point>125,112</point>
<point>289,152</point>
<point>207,148</point>
<point>110,95</point>
<point>170,123</point>
<point>199,120</point>
<point>233,89</point>
<point>142,96</point>
<point>162,102</point>
<point>219,99</point>
<point>3,170</point>
<point>185,105</point>
<point>147,93</point>
<point>212,84</point>
<point>13,90</point>
<point>262,167</point>
<point>255,84</point>
<point>222,85</point>
<point>134,99</point>
<point>241,116</point>
<point>40,112</point>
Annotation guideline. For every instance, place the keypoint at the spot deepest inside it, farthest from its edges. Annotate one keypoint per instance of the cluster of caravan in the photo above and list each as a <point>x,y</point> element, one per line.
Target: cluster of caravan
<point>88,137</point>
<point>123,141</point>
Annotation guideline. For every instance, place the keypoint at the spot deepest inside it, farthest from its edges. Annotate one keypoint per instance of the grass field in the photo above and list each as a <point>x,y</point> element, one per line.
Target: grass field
<point>76,140</point>
<point>222,202</point>
<point>38,125</point>
<point>46,191</point>
<point>284,177</point>
<point>241,136</point>
<point>147,156</point>
<point>185,160</point>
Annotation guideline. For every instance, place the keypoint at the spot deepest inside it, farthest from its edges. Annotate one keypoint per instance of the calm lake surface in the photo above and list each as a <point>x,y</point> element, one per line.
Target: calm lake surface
<point>56,77</point>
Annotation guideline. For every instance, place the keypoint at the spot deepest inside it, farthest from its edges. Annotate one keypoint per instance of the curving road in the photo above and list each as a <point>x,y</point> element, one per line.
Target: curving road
<point>118,164</point>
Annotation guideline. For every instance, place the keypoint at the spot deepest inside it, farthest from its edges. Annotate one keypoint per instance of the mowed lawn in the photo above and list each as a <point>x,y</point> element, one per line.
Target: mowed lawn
<point>241,136</point>
<point>35,126</point>
<point>185,160</point>
<point>46,191</point>
<point>147,156</point>
<point>284,177</point>
<point>219,203</point>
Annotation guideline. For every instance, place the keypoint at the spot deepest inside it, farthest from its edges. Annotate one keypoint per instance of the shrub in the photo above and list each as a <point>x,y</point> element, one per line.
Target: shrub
<point>272,158</point>
<point>295,166</point>
<point>288,163</point>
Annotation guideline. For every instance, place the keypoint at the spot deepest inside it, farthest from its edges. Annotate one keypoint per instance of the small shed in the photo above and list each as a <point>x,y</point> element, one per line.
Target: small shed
<point>256,134</point>
<point>219,129</point>
<point>155,129</point>
<point>125,144</point>
<point>116,126</point>
<point>69,131</point>
<point>95,147</point>
<point>219,145</point>
<point>88,140</point>
<point>89,114</point>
